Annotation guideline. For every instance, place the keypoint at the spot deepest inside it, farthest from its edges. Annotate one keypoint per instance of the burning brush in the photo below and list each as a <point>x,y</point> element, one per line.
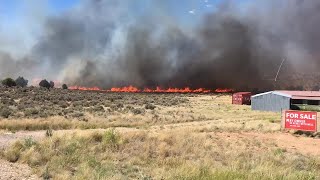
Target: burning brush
<point>132,89</point>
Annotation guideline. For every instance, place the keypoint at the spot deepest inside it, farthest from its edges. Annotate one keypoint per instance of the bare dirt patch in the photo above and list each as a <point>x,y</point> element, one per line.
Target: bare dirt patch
<point>289,142</point>
<point>15,171</point>
<point>7,138</point>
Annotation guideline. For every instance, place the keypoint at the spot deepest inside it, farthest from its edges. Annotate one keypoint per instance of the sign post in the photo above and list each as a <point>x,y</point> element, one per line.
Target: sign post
<point>300,120</point>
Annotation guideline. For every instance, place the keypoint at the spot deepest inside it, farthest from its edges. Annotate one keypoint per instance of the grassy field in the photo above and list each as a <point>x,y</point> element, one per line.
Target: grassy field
<point>150,136</point>
<point>39,109</point>
<point>182,154</point>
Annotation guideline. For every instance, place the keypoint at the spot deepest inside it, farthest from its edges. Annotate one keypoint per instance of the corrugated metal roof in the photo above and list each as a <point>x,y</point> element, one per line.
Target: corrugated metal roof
<point>302,93</point>
<point>273,92</point>
<point>306,98</point>
<point>282,94</point>
<point>308,95</point>
<point>261,94</point>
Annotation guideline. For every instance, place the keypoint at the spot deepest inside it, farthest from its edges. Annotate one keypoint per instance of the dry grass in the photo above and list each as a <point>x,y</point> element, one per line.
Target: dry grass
<point>208,112</point>
<point>162,155</point>
<point>164,137</point>
<point>34,103</point>
<point>58,123</point>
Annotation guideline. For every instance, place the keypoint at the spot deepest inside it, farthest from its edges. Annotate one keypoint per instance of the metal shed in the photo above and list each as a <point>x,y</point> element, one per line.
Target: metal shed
<point>277,101</point>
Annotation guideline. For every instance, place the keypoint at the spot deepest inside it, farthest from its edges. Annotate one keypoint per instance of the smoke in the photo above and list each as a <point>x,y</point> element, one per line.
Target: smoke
<point>111,43</point>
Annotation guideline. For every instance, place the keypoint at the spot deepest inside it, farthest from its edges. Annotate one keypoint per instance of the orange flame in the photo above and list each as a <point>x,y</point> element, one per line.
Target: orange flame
<point>125,89</point>
<point>132,89</point>
<point>85,88</point>
<point>220,90</point>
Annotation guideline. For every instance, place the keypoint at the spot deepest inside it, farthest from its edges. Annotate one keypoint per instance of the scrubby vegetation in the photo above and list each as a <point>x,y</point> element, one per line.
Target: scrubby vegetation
<point>37,109</point>
<point>78,107</point>
<point>165,155</point>
<point>156,136</point>
<point>8,82</point>
<point>45,84</point>
<point>51,84</point>
<point>21,82</point>
<point>64,86</point>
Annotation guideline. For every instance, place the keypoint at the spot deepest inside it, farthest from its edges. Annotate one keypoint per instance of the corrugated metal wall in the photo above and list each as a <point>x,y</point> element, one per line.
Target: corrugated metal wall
<point>270,102</point>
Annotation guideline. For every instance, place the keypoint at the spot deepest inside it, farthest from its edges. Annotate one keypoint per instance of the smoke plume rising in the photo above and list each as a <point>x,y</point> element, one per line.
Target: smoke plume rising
<point>110,43</point>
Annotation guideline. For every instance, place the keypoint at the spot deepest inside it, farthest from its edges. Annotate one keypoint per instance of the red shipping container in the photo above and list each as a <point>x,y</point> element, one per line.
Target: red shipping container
<point>242,98</point>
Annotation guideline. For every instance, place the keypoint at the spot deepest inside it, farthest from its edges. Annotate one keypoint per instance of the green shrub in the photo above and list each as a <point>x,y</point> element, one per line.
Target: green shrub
<point>77,114</point>
<point>63,104</point>
<point>44,83</point>
<point>21,82</point>
<point>31,112</point>
<point>150,106</point>
<point>137,111</point>
<point>64,86</point>
<point>51,84</point>
<point>97,137</point>
<point>112,139</point>
<point>46,174</point>
<point>29,142</point>
<point>5,112</point>
<point>8,82</point>
<point>49,133</point>
<point>13,153</point>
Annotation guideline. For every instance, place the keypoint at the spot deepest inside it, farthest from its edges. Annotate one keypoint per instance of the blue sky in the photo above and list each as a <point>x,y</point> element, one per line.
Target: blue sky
<point>12,7</point>
<point>9,8</point>
<point>60,5</point>
<point>13,10</point>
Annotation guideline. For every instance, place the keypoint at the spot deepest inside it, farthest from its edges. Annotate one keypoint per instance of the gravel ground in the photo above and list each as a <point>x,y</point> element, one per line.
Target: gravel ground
<point>6,139</point>
<point>16,171</point>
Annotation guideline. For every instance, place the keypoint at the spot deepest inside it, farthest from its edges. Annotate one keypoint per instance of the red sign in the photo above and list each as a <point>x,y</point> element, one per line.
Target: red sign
<point>301,120</point>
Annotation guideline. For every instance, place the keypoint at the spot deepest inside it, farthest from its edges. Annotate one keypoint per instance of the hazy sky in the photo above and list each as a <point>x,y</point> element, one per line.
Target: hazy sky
<point>93,34</point>
<point>21,22</point>
<point>14,10</point>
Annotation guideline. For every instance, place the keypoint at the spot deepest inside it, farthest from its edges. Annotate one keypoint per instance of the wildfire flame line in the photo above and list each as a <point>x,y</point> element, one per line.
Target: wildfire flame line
<point>132,89</point>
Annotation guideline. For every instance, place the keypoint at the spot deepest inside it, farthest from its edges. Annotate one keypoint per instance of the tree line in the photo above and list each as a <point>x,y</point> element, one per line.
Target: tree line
<point>22,82</point>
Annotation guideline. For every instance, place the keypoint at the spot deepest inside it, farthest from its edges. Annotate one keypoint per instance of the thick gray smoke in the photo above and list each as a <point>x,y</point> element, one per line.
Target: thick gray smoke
<point>111,43</point>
